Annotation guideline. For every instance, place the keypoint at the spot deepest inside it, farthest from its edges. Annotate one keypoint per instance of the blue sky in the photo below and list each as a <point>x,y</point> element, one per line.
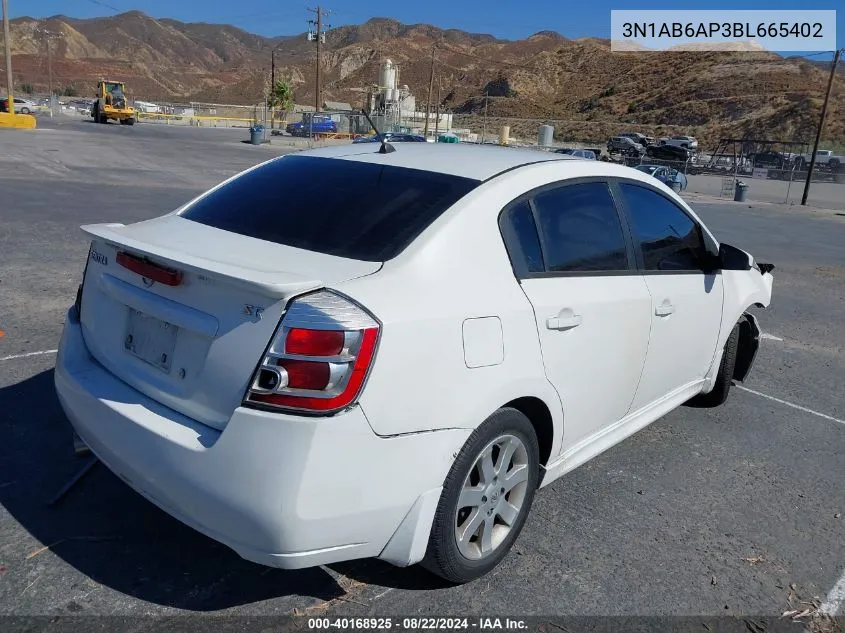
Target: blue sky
<point>510,19</point>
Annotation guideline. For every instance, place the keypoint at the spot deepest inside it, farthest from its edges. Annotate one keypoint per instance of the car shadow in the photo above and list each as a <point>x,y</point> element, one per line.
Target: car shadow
<point>111,534</point>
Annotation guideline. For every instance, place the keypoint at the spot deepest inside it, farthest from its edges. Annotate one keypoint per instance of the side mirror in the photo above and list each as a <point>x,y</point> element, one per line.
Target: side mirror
<point>732,258</point>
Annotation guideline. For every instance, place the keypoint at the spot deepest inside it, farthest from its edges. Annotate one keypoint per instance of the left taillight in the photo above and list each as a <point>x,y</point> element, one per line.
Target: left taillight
<point>319,358</point>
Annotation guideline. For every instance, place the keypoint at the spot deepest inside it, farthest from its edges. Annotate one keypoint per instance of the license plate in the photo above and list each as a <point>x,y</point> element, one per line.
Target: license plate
<point>150,339</point>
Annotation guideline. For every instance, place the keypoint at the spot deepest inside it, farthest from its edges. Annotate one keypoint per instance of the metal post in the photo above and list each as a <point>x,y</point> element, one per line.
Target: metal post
<point>484,127</point>
<point>272,88</point>
<point>430,88</point>
<point>791,175</point>
<point>8,44</point>
<point>319,99</point>
<point>50,73</point>
<point>437,110</point>
<point>819,130</point>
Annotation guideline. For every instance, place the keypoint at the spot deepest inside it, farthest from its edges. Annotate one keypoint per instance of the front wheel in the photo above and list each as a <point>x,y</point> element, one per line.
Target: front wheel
<point>25,110</point>
<point>486,498</point>
<point>724,379</point>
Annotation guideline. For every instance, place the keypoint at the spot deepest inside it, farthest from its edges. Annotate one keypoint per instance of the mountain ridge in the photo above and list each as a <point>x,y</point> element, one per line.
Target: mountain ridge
<point>544,76</point>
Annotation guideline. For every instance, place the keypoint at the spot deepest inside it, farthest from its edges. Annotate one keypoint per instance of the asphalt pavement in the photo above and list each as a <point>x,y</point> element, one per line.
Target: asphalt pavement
<point>730,511</point>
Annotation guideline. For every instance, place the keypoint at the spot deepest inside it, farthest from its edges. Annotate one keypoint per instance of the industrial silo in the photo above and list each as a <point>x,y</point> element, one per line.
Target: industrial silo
<point>547,135</point>
<point>387,75</point>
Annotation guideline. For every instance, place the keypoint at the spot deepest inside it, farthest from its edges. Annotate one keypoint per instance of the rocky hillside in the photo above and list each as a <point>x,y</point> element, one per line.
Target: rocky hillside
<point>578,83</point>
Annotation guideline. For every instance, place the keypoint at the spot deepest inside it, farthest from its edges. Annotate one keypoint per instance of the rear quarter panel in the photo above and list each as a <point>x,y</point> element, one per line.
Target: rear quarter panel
<point>458,269</point>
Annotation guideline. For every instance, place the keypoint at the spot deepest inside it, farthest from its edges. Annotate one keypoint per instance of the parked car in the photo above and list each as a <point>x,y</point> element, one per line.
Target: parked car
<point>391,137</point>
<point>311,373</point>
<point>642,139</point>
<point>769,158</point>
<point>312,125</point>
<point>669,152</point>
<point>666,175</point>
<point>577,153</point>
<point>22,106</point>
<point>625,146</point>
<point>824,157</point>
<point>687,142</point>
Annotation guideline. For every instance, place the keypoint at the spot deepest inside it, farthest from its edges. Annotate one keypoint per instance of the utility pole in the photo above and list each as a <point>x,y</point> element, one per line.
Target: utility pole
<point>320,38</point>
<point>430,88</point>
<point>437,109</point>
<point>8,45</point>
<point>273,89</point>
<point>48,35</point>
<point>820,128</point>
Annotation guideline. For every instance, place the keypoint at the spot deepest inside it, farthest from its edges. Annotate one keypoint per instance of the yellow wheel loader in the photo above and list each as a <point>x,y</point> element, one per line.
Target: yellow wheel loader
<point>111,104</point>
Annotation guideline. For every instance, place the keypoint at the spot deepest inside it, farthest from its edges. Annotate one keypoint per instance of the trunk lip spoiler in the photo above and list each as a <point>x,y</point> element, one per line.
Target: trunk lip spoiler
<point>276,285</point>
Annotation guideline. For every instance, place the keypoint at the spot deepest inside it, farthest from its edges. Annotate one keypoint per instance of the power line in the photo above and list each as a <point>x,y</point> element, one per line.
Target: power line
<point>107,6</point>
<point>491,61</point>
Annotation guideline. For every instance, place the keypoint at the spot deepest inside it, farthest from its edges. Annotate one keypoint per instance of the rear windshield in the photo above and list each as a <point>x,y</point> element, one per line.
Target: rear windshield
<point>346,208</point>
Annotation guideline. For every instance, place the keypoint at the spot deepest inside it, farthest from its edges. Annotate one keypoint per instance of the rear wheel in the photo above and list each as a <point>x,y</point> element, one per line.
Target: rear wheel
<point>486,498</point>
<point>130,121</point>
<point>25,110</point>
<point>724,378</point>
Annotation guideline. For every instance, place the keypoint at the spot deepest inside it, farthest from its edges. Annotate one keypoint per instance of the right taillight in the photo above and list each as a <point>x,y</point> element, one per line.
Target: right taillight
<point>319,357</point>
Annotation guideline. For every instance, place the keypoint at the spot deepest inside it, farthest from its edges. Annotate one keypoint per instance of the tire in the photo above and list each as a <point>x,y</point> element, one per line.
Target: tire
<point>833,164</point>
<point>130,121</point>
<point>25,110</point>
<point>724,379</point>
<point>506,429</point>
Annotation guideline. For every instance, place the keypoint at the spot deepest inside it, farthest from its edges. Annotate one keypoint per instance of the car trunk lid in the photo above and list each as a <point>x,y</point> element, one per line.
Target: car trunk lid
<point>183,312</point>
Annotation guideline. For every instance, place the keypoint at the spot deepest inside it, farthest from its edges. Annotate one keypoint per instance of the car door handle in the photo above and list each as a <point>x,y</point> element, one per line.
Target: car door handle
<point>565,320</point>
<point>664,309</point>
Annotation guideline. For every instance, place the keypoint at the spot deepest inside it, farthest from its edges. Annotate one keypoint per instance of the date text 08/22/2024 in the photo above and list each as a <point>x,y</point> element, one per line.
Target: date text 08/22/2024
<point>417,624</point>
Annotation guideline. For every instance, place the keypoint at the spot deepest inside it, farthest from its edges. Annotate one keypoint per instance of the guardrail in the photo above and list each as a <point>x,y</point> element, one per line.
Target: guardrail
<point>199,120</point>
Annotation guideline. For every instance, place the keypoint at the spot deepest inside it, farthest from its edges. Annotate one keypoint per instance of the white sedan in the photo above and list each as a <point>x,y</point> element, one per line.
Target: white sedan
<point>349,353</point>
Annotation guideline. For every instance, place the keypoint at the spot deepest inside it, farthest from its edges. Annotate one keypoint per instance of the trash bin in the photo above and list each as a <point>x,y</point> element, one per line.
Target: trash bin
<point>739,191</point>
<point>255,134</point>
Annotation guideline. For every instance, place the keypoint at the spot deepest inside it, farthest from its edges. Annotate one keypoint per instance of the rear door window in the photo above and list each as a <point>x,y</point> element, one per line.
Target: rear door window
<point>347,208</point>
<point>580,229</point>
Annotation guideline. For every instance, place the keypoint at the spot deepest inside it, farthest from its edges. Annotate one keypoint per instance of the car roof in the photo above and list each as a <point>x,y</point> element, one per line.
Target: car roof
<point>475,161</point>
<point>467,160</point>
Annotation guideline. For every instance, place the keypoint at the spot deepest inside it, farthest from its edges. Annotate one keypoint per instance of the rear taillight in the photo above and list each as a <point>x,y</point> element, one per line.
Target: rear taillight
<point>319,357</point>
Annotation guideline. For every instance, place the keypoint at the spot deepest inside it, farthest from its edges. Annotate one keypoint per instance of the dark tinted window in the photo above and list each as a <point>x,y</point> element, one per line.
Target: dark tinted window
<point>347,208</point>
<point>670,239</point>
<point>524,247</point>
<point>580,228</point>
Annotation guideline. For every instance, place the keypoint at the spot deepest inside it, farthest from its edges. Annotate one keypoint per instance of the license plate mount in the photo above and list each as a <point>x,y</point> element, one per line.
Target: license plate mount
<point>150,339</point>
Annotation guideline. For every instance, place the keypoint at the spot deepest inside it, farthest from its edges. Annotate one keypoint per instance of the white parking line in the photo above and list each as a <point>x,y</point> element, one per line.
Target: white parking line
<point>835,599</point>
<point>791,404</point>
<point>770,337</point>
<point>28,354</point>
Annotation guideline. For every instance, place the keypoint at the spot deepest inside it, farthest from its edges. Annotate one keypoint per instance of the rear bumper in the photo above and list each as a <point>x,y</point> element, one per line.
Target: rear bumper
<point>280,490</point>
